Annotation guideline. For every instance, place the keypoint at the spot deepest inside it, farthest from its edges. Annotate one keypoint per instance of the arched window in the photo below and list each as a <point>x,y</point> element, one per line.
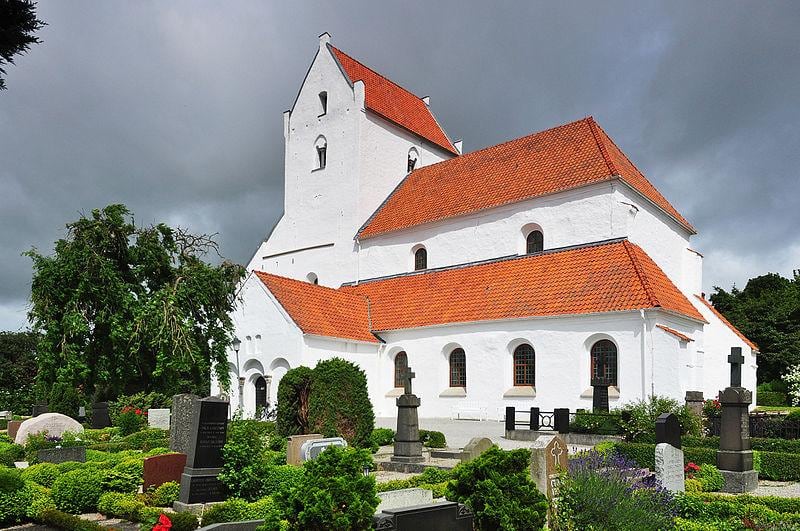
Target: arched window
<point>400,368</point>
<point>413,158</point>
<point>420,259</point>
<point>604,362</point>
<point>458,368</point>
<point>322,152</point>
<point>524,365</point>
<point>323,103</point>
<point>534,242</point>
<point>261,395</point>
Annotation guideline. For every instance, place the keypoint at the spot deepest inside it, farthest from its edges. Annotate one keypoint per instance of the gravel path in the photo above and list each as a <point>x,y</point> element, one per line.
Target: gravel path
<point>783,489</point>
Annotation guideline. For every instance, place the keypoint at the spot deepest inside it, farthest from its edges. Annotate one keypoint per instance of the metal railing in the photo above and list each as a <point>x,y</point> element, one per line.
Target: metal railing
<point>762,425</point>
<point>534,419</point>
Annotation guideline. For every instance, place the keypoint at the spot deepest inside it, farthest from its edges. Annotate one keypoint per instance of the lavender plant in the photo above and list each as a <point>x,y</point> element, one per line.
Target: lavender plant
<point>605,492</point>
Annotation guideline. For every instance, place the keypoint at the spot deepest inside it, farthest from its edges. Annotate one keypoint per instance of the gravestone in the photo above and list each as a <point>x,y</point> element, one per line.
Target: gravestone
<point>39,409</point>
<point>548,456</point>
<point>695,401</point>
<point>294,444</point>
<point>735,456</point>
<point>669,456</point>
<point>442,516</point>
<point>394,499</point>
<point>311,449</point>
<point>55,424</point>
<point>13,428</point>
<point>209,427</point>
<point>62,455</point>
<point>600,395</point>
<point>407,446</point>
<point>161,469</point>
<point>475,447</point>
<point>158,418</point>
<point>181,426</point>
<point>100,417</point>
<point>668,430</point>
<point>6,415</point>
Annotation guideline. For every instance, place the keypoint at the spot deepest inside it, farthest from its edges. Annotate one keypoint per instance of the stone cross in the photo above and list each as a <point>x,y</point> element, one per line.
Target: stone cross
<point>736,360</point>
<point>407,377</point>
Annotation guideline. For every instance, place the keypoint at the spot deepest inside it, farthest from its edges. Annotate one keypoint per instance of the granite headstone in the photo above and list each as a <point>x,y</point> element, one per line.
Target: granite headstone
<point>160,469</point>
<point>548,458</point>
<point>100,417</point>
<point>442,516</point>
<point>407,445</point>
<point>669,467</point>
<point>475,447</point>
<point>55,424</point>
<point>668,430</point>
<point>199,481</point>
<point>311,449</point>
<point>13,428</point>
<point>62,455</point>
<point>38,409</point>
<point>180,430</point>
<point>158,418</point>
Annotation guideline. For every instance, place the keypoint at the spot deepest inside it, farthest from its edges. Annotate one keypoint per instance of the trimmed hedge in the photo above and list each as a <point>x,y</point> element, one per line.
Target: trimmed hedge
<point>10,453</point>
<point>757,443</point>
<point>62,520</point>
<point>771,398</point>
<point>432,439</point>
<point>78,491</point>
<point>293,394</point>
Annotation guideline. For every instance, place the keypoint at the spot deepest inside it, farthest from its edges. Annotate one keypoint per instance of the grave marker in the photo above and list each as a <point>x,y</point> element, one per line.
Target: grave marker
<point>100,417</point>
<point>158,418</point>
<point>669,456</point>
<point>181,426</point>
<point>311,449</point>
<point>407,446</point>
<point>443,516</point>
<point>294,444</point>
<point>13,428</point>
<point>62,455</point>
<point>209,428</point>
<point>161,469</point>
<point>475,447</point>
<point>39,409</point>
<point>55,424</point>
<point>548,456</point>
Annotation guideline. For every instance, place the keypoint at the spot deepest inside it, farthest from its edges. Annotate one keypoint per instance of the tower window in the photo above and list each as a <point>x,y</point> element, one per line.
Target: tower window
<point>534,242</point>
<point>321,146</point>
<point>420,259</point>
<point>413,157</point>
<point>323,103</point>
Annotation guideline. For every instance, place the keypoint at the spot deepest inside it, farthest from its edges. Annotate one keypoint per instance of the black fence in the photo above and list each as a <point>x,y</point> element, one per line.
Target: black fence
<point>762,425</point>
<point>534,419</point>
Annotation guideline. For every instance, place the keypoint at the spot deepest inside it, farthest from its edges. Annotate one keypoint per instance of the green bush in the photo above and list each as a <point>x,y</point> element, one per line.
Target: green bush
<point>710,478</point>
<point>432,439</point>
<point>43,473</point>
<point>607,424</point>
<point>14,498</point>
<point>333,493</point>
<point>183,521</point>
<point>141,400</point>
<point>69,466</point>
<point>382,436</point>
<point>771,398</point>
<point>120,505</point>
<point>693,485</point>
<point>393,484</point>
<point>245,460</point>
<point>641,425</point>
<point>10,453</point>
<point>293,395</point>
<point>78,491</point>
<point>10,480</point>
<point>431,475</point>
<point>779,466</point>
<point>40,500</point>
<point>283,477</point>
<point>709,511</point>
<point>65,399</point>
<point>757,443</point>
<point>61,520</point>
<point>339,404</point>
<point>131,420</point>
<point>498,489</point>
<point>164,495</point>
<point>231,510</point>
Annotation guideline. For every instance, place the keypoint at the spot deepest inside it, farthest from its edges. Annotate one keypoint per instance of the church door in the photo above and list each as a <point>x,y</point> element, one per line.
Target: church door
<point>261,395</point>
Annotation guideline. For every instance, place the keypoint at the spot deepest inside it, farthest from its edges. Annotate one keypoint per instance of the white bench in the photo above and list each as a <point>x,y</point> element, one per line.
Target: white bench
<point>469,410</point>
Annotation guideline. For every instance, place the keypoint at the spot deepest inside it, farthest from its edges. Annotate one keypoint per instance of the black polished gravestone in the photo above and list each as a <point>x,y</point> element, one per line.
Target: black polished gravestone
<point>735,456</point>
<point>100,417</point>
<point>444,516</point>
<point>39,409</point>
<point>600,395</point>
<point>668,430</point>
<point>209,428</point>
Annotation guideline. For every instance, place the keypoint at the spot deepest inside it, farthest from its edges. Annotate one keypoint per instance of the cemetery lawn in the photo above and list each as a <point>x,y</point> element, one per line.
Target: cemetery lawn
<point>782,409</point>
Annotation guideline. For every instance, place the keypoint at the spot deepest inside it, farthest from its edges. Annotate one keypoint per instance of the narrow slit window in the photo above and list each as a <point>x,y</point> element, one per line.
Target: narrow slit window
<point>323,103</point>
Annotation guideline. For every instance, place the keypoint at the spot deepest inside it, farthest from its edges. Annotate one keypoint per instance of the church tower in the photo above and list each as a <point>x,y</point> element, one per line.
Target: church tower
<point>350,137</point>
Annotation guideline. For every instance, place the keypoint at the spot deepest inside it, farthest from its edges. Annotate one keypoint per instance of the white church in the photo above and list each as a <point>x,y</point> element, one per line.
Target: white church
<point>508,276</point>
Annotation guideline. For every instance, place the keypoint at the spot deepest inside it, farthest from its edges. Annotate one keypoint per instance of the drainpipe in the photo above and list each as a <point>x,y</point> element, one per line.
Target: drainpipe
<point>644,355</point>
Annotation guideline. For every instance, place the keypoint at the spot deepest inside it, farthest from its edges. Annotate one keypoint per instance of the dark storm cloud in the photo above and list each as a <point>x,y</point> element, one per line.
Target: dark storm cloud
<point>175,109</point>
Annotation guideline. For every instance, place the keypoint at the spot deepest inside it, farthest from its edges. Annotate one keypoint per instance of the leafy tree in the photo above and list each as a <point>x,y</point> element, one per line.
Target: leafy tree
<point>124,309</point>
<point>18,22</point>
<point>293,391</point>
<point>17,370</point>
<point>767,311</point>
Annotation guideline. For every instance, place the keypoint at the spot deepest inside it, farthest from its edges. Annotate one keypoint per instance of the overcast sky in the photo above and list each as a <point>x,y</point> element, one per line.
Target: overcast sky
<point>174,108</point>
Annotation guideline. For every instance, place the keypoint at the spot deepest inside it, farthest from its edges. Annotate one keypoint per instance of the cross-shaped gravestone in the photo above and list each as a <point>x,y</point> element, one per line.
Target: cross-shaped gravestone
<point>736,359</point>
<point>408,375</point>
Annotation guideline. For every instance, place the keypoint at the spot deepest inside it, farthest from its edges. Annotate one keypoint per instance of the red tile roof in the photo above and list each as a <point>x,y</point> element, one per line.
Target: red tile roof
<point>679,335</point>
<point>562,158</point>
<point>727,323</point>
<point>394,103</point>
<point>321,311</point>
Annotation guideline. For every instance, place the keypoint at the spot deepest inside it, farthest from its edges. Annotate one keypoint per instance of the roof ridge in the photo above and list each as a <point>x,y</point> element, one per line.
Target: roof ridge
<point>495,260</point>
<point>306,284</point>
<point>594,127</point>
<point>640,272</point>
<point>373,71</point>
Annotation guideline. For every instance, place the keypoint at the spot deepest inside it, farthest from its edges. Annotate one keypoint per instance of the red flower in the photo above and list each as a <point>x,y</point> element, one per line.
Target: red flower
<point>126,409</point>
<point>164,523</point>
<point>691,469</point>
<point>138,411</point>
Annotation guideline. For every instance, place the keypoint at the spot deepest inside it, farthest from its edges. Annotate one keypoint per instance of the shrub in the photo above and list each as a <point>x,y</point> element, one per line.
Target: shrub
<point>432,439</point>
<point>141,400</point>
<point>14,498</point>
<point>244,459</point>
<point>183,521</point>
<point>333,493</point>
<point>431,475</point>
<point>40,500</point>
<point>165,494</point>
<point>606,424</point>
<point>131,420</point>
<point>640,426</point>
<point>393,484</point>
<point>293,394</point>
<point>10,453</point>
<point>778,466</point>
<point>43,473</point>
<point>65,399</point>
<point>147,439</point>
<point>608,492</point>
<point>382,436</point>
<point>10,480</point>
<point>710,478</point>
<point>69,466</point>
<point>78,491</point>
<point>68,522</point>
<point>231,510</point>
<point>497,488</point>
<point>693,485</point>
<point>120,505</point>
<point>771,398</point>
<point>339,402</point>
<point>283,477</point>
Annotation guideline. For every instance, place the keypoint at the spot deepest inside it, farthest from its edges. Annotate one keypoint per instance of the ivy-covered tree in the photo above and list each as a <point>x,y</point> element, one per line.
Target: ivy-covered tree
<point>767,311</point>
<point>124,309</point>
<point>18,23</point>
<point>17,370</point>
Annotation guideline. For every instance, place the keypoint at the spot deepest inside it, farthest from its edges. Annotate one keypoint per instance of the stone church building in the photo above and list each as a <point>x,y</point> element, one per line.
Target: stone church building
<point>508,276</point>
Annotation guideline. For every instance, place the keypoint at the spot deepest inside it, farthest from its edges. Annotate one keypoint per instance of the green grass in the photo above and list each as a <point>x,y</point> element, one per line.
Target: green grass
<point>787,409</point>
